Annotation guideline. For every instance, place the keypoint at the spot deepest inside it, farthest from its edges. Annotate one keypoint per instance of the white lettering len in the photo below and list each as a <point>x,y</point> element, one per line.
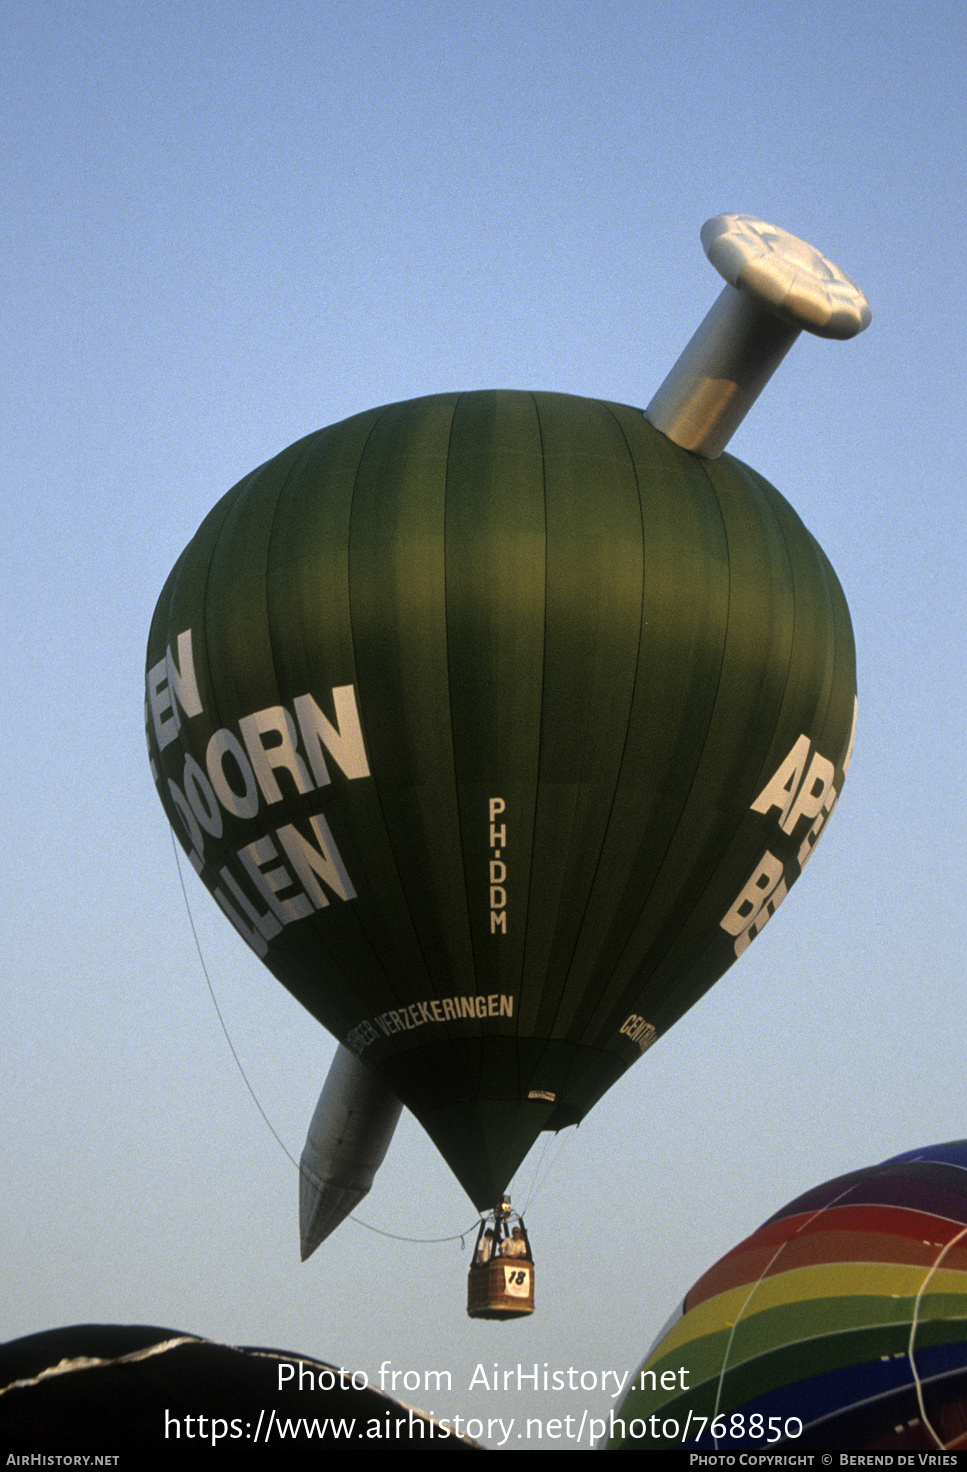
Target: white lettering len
<point>324,861</point>
<point>248,934</point>
<point>343,741</point>
<point>244,804</point>
<point>266,923</point>
<point>780,791</point>
<point>269,882</point>
<point>812,793</point>
<point>279,753</point>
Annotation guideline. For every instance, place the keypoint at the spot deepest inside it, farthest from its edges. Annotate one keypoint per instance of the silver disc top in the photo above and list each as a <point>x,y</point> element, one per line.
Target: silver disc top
<point>787,276</point>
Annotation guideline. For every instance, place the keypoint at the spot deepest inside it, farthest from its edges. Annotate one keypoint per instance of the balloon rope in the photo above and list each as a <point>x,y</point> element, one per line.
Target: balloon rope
<point>945,1248</point>
<point>748,1299</point>
<point>423,1241</point>
<point>544,1166</point>
<point>913,1330</point>
<point>427,1241</point>
<point>535,1181</point>
<point>218,1011</point>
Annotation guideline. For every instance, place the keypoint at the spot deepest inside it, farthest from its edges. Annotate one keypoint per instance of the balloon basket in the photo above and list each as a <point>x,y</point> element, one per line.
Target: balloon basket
<point>501,1289</point>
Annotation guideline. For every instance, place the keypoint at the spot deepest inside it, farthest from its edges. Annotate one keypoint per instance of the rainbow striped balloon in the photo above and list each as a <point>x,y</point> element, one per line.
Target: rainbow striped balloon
<point>840,1324</point>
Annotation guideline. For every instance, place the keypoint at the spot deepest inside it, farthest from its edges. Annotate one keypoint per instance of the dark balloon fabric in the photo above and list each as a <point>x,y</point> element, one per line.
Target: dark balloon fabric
<point>841,1324</point>
<point>499,725</point>
<point>153,1392</point>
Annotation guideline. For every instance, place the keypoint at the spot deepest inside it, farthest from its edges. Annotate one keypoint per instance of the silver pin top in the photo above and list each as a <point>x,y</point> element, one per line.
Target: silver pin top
<point>789,277</point>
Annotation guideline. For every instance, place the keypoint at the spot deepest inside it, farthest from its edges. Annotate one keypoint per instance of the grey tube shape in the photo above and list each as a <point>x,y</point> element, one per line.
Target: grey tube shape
<point>720,374</point>
<point>347,1142</point>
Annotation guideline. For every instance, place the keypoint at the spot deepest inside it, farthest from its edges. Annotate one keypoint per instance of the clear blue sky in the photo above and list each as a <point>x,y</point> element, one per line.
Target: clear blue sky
<point>228,225</point>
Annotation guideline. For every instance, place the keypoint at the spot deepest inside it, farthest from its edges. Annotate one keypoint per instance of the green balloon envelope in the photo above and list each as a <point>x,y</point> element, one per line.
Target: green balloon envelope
<point>499,725</point>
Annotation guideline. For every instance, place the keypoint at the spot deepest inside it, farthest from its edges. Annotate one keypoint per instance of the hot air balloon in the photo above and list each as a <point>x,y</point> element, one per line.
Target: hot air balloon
<point>499,723</point>
<point>841,1323</point>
